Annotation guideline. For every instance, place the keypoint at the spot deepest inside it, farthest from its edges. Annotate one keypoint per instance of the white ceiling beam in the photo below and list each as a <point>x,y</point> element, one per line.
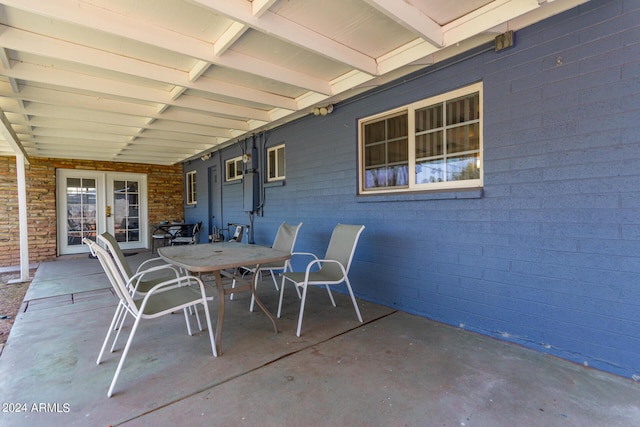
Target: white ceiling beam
<point>127,112</point>
<point>24,41</point>
<point>292,32</point>
<point>229,37</point>
<point>6,63</point>
<point>411,18</point>
<point>485,18</point>
<point>98,18</point>
<point>260,7</point>
<point>198,70</point>
<point>175,127</point>
<point>11,137</point>
<point>405,55</point>
<point>113,88</point>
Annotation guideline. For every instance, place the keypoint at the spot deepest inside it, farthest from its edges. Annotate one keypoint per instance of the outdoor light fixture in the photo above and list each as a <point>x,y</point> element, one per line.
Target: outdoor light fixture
<point>205,157</point>
<point>323,111</point>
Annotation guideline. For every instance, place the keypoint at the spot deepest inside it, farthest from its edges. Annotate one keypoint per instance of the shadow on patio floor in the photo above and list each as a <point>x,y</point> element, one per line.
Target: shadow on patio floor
<point>394,369</point>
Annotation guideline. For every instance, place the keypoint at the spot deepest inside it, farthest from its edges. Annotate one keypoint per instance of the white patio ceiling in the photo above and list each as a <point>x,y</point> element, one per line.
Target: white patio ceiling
<point>162,81</point>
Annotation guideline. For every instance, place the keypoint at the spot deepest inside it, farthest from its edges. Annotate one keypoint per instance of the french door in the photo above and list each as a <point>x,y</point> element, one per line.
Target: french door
<point>90,203</point>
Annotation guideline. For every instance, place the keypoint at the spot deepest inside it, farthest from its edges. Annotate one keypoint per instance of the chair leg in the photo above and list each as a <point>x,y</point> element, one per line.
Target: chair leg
<point>195,309</point>
<point>123,317</point>
<point>205,307</point>
<point>353,299</point>
<point>112,326</point>
<point>275,283</point>
<point>281,295</point>
<point>211,336</point>
<point>124,355</point>
<point>333,302</point>
<point>186,319</point>
<point>233,284</point>
<point>304,298</point>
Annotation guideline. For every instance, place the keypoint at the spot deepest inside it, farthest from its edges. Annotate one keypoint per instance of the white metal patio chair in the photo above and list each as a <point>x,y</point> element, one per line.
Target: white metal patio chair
<point>284,241</point>
<point>189,240</point>
<point>333,269</point>
<point>164,235</point>
<point>142,285</point>
<point>144,279</point>
<point>164,298</point>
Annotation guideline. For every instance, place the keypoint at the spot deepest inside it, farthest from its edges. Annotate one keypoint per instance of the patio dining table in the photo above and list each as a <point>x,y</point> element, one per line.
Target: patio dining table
<point>223,259</point>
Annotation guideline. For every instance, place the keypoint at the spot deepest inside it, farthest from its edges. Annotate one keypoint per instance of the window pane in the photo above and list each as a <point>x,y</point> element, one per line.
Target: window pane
<point>463,167</point>
<point>429,118</point>
<point>375,155</point>
<point>397,127</point>
<point>394,176</point>
<point>400,175</point>
<point>430,171</point>
<point>398,151</point>
<point>272,164</point>
<point>429,145</point>
<point>374,132</point>
<point>463,138</point>
<point>191,188</point>
<point>281,163</point>
<point>463,109</point>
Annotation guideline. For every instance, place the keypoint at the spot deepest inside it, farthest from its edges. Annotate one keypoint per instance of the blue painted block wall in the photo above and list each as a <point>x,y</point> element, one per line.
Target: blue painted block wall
<point>547,255</point>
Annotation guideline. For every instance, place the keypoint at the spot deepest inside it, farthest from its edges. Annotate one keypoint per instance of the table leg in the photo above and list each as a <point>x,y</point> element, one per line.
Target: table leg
<point>220,321</point>
<point>262,307</point>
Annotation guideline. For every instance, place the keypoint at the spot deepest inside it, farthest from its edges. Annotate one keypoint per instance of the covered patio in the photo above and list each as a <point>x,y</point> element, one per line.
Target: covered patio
<point>393,369</point>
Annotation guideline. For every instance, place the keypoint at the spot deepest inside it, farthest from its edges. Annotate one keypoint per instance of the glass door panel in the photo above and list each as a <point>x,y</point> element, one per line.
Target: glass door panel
<point>127,209</point>
<point>81,210</point>
<point>126,200</point>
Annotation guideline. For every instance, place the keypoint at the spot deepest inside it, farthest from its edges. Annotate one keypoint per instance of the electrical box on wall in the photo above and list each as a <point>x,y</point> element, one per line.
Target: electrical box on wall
<point>251,191</point>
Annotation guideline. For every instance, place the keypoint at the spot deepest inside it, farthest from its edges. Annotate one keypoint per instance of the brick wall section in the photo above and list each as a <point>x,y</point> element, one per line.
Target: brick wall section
<point>165,190</point>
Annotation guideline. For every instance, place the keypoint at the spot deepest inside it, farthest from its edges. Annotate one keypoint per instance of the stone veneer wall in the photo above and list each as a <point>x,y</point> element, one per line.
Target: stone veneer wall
<point>165,189</point>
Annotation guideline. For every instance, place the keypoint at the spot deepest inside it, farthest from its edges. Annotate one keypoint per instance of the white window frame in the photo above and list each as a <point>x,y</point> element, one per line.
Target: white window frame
<point>277,174</point>
<point>191,183</point>
<point>233,173</point>
<point>410,110</point>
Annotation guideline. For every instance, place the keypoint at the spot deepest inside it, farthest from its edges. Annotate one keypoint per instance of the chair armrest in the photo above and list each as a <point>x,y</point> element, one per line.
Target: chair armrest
<point>173,284</point>
<point>319,263</point>
<point>314,256</point>
<point>150,261</point>
<point>135,280</point>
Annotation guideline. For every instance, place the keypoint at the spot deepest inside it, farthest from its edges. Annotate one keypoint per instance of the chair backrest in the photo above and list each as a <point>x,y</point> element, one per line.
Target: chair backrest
<point>237,235</point>
<point>175,231</point>
<point>286,237</point>
<point>114,248</point>
<point>195,234</point>
<point>118,282</point>
<point>342,246</point>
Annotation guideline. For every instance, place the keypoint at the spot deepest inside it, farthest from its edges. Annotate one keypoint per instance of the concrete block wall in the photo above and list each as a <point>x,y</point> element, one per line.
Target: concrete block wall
<point>547,255</point>
<point>165,190</point>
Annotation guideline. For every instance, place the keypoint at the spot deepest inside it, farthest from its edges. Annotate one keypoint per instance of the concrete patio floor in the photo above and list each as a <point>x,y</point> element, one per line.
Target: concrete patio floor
<point>395,369</point>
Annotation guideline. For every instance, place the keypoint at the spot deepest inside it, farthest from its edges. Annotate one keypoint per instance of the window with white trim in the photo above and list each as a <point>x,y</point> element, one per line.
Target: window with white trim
<point>192,195</point>
<point>233,168</point>
<point>433,144</point>
<point>275,163</point>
